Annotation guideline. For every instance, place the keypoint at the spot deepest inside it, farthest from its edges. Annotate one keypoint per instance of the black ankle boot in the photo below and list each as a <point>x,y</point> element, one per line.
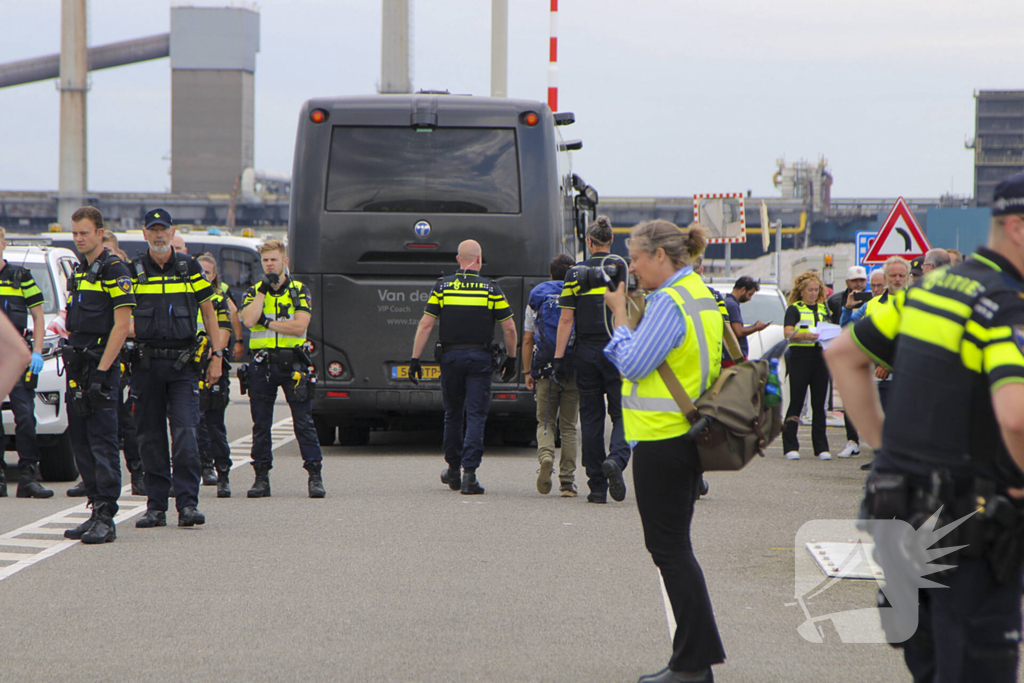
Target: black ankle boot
<point>28,483</point>
<point>77,533</point>
<point>138,483</point>
<point>103,529</point>
<point>316,482</point>
<point>260,487</point>
<point>452,477</point>
<point>470,486</point>
<point>77,491</point>
<point>223,484</point>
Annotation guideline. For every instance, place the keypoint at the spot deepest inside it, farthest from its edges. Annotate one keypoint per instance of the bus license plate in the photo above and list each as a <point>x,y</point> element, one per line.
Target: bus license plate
<point>430,372</point>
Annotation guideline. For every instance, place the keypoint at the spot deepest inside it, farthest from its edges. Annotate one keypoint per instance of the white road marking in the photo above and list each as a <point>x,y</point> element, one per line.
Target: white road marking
<point>19,550</point>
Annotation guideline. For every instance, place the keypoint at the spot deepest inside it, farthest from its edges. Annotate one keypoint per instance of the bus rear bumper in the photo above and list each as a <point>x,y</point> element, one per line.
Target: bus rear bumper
<point>384,404</point>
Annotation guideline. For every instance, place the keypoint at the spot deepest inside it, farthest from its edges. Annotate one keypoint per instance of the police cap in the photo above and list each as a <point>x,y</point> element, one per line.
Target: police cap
<point>1009,196</point>
<point>916,266</point>
<point>158,217</point>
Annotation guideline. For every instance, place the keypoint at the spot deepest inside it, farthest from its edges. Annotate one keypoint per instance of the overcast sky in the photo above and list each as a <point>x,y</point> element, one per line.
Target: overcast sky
<point>671,97</point>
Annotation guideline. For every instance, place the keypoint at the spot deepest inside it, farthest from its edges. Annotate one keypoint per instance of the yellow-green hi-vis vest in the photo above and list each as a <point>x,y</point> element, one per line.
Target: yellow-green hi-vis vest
<point>280,307</point>
<point>807,316</point>
<point>649,413</point>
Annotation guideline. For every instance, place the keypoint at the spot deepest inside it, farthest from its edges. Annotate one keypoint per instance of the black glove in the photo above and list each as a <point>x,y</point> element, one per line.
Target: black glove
<point>264,320</point>
<point>99,385</point>
<point>415,371</point>
<point>508,369</point>
<point>560,371</point>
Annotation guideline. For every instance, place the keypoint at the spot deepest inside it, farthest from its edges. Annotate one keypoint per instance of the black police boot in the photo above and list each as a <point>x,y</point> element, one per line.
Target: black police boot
<point>452,477</point>
<point>209,473</point>
<point>103,530</point>
<point>77,491</point>
<point>668,676</point>
<point>151,519</point>
<point>470,486</point>
<point>260,487</point>
<point>28,483</point>
<point>138,483</point>
<point>3,479</point>
<point>77,533</point>
<point>223,484</point>
<point>316,482</point>
<point>616,482</point>
<point>190,516</point>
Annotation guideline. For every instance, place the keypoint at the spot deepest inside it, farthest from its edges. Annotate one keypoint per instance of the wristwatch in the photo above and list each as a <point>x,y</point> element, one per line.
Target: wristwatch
<point>219,354</point>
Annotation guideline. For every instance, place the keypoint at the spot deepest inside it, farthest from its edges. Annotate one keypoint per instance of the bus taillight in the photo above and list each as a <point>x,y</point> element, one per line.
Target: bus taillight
<point>318,116</point>
<point>530,118</point>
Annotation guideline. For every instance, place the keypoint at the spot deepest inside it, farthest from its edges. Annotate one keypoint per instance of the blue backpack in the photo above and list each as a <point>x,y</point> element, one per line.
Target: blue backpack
<point>544,302</point>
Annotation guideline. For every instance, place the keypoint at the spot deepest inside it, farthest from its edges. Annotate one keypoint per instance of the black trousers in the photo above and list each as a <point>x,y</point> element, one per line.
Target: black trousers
<point>264,379</point>
<point>212,434</point>
<point>94,440</point>
<point>806,368</point>
<point>851,431</point>
<point>162,393</point>
<point>127,436</point>
<point>23,405</point>
<point>666,475</point>
<point>597,378</point>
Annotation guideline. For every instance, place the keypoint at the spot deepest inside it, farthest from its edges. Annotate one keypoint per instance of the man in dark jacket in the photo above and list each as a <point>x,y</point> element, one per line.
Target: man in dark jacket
<point>856,281</point>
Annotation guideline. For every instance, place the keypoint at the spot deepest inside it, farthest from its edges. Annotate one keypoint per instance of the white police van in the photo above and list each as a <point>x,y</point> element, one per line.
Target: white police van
<point>50,268</point>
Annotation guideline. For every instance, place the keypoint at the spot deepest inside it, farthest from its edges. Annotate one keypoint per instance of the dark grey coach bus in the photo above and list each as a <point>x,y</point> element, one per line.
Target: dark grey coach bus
<point>384,188</point>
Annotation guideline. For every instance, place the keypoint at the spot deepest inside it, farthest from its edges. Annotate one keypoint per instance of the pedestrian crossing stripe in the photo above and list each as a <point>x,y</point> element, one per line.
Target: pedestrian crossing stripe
<point>20,549</point>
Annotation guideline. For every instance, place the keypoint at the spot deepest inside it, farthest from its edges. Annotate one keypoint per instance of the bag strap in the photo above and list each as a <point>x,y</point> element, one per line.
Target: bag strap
<point>732,344</point>
<point>678,393</point>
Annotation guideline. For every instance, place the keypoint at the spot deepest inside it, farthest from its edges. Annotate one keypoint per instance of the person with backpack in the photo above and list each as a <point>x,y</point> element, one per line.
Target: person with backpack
<point>557,402</point>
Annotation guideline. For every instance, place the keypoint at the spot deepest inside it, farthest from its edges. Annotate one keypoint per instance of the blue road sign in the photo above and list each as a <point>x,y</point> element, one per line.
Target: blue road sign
<point>863,245</point>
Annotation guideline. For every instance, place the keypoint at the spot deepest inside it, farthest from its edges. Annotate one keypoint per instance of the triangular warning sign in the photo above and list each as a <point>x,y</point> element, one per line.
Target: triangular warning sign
<point>900,235</point>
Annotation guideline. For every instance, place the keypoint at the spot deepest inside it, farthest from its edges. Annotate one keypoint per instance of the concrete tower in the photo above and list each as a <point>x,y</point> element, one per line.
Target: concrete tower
<point>73,85</point>
<point>213,60</point>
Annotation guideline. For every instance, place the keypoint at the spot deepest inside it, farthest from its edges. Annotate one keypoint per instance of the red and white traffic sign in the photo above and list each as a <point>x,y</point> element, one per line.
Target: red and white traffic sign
<point>900,235</point>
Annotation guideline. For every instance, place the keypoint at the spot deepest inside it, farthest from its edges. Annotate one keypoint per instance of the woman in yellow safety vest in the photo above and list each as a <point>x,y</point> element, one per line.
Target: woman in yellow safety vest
<point>681,328</point>
<point>805,364</point>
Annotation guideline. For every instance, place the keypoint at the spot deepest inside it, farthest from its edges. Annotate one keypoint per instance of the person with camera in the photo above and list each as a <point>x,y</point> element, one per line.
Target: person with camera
<point>170,293</point>
<point>467,306</point>
<point>21,298</point>
<point>805,365</point>
<point>557,404</point>
<point>99,311</point>
<point>584,311</point>
<point>951,446</point>
<point>682,330</point>
<point>278,309</point>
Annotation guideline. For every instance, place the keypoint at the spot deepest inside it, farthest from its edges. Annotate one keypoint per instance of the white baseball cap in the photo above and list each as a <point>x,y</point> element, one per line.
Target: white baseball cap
<point>856,273</point>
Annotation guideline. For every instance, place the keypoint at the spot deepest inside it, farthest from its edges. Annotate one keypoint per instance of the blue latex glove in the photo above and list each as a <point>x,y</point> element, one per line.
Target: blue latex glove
<point>36,366</point>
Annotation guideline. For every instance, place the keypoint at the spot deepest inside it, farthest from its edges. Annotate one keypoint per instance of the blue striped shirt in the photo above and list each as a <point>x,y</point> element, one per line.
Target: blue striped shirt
<point>638,353</point>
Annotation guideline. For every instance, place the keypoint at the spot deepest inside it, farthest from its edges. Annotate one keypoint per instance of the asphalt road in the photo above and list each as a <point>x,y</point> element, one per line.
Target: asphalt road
<point>393,577</point>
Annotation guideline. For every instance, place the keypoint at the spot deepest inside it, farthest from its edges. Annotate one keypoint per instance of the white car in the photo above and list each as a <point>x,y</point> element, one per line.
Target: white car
<point>769,306</point>
<point>50,268</point>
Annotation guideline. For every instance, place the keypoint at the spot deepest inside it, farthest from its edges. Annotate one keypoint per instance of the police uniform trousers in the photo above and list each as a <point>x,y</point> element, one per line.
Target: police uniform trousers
<point>23,405</point>
<point>162,393</point>
<point>806,368</point>
<point>127,436</point>
<point>94,441</point>
<point>666,477</point>
<point>264,379</point>
<point>212,434</point>
<point>466,390</point>
<point>597,378</point>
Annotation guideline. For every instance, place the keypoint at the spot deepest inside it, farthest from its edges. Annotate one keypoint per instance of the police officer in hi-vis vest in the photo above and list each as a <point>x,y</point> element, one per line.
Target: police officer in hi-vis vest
<point>20,298</point>
<point>467,305</point>
<point>170,292</point>
<point>277,310</point>
<point>100,302</point>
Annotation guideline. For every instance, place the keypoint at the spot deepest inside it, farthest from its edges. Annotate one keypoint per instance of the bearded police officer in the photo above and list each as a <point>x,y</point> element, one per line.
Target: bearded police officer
<point>20,298</point>
<point>596,376</point>
<point>278,310</point>
<point>170,291</point>
<point>951,456</point>
<point>467,305</point>
<point>100,302</point>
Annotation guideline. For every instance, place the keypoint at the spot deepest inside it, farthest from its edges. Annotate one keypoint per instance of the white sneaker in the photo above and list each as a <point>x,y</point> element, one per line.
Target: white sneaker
<point>824,455</point>
<point>793,455</point>
<point>852,450</point>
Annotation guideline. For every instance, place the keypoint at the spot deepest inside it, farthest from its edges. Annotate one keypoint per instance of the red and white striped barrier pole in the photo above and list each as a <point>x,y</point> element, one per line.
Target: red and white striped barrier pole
<point>553,59</point>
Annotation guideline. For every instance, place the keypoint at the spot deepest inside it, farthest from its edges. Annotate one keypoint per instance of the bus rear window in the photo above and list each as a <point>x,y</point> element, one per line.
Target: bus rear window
<point>444,170</point>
